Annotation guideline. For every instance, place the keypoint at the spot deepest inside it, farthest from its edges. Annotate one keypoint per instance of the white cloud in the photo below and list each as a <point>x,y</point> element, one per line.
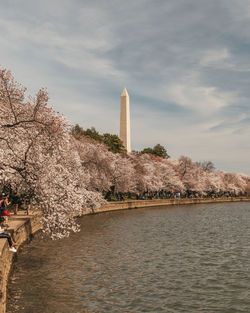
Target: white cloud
<point>79,50</point>
<point>203,99</point>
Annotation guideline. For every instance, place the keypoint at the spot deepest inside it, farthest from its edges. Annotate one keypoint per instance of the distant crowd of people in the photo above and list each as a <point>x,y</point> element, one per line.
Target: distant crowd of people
<point>163,194</point>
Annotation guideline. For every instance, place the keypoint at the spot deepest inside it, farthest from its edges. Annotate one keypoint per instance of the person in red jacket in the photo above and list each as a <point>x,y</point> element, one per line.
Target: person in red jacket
<point>4,202</point>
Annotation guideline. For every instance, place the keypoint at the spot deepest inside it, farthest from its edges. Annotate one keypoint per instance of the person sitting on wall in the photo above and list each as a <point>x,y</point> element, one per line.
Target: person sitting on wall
<point>5,234</point>
<point>4,202</point>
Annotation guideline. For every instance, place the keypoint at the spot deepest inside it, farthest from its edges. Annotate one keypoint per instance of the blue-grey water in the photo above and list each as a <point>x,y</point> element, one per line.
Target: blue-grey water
<point>165,259</point>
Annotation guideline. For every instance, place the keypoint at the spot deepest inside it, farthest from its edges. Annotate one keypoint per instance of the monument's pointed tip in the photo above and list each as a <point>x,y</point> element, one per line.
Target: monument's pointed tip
<point>124,93</point>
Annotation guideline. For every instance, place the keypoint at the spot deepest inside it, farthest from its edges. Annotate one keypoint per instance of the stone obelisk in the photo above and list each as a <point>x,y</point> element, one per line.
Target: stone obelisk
<point>125,121</point>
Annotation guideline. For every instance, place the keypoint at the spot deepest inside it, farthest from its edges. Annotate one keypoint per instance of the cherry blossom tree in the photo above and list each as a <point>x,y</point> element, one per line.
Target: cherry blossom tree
<point>96,162</point>
<point>248,187</point>
<point>188,172</point>
<point>234,183</point>
<point>152,179</point>
<point>171,178</point>
<point>38,157</point>
<point>214,182</point>
<point>123,173</point>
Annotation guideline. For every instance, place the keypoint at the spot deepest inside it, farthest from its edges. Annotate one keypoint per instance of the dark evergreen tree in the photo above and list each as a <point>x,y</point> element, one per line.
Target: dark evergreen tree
<point>158,150</point>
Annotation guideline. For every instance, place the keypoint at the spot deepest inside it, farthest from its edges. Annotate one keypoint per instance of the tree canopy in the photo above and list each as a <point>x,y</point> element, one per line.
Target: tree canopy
<point>112,141</point>
<point>89,132</point>
<point>206,165</point>
<point>158,150</point>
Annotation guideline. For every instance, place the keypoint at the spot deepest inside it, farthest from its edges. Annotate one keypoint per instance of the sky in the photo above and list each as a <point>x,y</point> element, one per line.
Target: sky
<point>185,64</point>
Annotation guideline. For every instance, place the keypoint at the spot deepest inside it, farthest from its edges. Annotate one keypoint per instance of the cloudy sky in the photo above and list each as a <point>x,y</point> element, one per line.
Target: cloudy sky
<point>185,64</point>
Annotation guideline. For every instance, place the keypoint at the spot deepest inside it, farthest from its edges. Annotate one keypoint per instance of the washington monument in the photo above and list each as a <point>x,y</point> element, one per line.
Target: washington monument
<point>125,121</point>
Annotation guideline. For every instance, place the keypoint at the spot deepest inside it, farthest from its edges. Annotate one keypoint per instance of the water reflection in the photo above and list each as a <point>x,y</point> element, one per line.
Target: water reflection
<point>175,259</point>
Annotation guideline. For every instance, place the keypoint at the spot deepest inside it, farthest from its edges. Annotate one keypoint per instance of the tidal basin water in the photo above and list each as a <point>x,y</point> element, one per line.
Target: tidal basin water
<point>165,259</point>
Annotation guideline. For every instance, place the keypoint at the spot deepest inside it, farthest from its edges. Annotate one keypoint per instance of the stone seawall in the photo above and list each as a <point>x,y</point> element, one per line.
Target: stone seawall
<point>125,205</point>
<point>24,226</point>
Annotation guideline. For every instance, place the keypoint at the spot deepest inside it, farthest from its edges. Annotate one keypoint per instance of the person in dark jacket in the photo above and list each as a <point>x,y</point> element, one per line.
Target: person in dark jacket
<point>15,202</point>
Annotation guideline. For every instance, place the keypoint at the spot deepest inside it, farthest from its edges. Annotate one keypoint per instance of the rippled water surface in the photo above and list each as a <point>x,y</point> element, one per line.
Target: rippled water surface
<point>173,259</point>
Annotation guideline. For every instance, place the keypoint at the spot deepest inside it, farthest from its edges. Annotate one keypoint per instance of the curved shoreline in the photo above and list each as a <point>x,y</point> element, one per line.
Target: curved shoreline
<point>136,204</point>
<point>24,226</point>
